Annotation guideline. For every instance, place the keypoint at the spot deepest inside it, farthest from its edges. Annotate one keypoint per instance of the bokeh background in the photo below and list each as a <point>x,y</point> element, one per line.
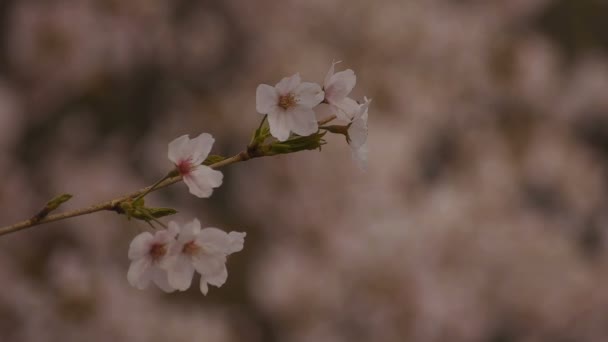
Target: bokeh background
<point>482,216</point>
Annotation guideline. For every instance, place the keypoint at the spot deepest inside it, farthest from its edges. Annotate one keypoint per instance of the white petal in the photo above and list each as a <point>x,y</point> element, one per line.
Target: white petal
<point>330,73</point>
<point>340,85</point>
<point>280,124</point>
<point>214,240</point>
<point>236,242</point>
<point>190,231</point>
<point>198,148</point>
<point>309,94</point>
<point>219,278</point>
<point>360,156</point>
<point>180,273</point>
<point>266,98</point>
<point>159,277</point>
<point>140,246</point>
<point>303,120</point>
<point>177,149</point>
<point>346,108</point>
<point>139,273</point>
<point>288,84</point>
<point>204,288</point>
<point>209,263</point>
<point>202,180</point>
<point>357,132</point>
<point>174,228</point>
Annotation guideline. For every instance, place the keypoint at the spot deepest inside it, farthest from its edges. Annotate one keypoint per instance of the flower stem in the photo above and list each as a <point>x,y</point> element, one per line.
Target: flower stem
<point>152,187</point>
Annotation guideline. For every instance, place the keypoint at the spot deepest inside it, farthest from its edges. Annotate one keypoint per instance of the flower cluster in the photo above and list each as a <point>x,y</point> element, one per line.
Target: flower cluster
<point>170,256</point>
<point>290,103</point>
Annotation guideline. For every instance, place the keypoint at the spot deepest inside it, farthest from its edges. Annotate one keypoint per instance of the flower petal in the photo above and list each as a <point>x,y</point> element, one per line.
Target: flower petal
<point>206,264</point>
<point>180,273</point>
<point>204,288</point>
<point>360,156</point>
<point>288,84</point>
<point>198,148</point>
<point>177,151</point>
<point>236,241</point>
<point>303,120</point>
<point>219,278</point>
<point>159,277</point>
<point>340,85</point>
<point>140,245</point>
<point>266,98</point>
<point>202,180</point>
<point>280,124</point>
<point>309,94</point>
<point>139,273</point>
<point>330,73</point>
<point>346,108</point>
<point>189,231</point>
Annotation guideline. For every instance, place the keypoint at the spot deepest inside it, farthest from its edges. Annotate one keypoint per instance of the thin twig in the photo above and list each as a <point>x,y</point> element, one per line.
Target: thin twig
<point>113,204</point>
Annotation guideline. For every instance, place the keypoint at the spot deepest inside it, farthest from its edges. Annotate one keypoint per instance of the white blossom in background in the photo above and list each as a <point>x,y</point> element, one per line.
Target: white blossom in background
<point>357,135</point>
<point>188,155</point>
<point>147,252</point>
<point>337,87</point>
<point>289,106</point>
<point>204,250</point>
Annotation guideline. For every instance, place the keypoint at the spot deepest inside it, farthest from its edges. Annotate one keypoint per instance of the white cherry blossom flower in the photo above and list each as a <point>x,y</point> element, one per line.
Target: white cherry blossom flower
<point>337,87</point>
<point>203,250</point>
<point>188,155</point>
<point>357,135</point>
<point>289,106</point>
<point>147,252</point>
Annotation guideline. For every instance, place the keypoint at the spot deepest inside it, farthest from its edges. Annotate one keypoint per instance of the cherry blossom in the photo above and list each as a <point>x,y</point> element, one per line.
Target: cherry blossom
<point>337,87</point>
<point>289,106</point>
<point>188,155</point>
<point>204,250</point>
<point>357,134</point>
<point>147,252</point>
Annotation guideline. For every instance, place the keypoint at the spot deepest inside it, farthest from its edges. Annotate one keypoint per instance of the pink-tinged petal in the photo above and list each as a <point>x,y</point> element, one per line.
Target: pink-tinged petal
<point>345,109</point>
<point>280,125</point>
<point>219,278</point>
<point>173,227</point>
<point>330,73</point>
<point>340,85</point>
<point>309,94</point>
<point>140,246</point>
<point>204,288</point>
<point>189,231</point>
<point>208,263</point>
<point>266,98</point>
<point>140,273</point>
<point>177,150</point>
<point>199,148</point>
<point>288,84</point>
<point>304,121</point>
<point>202,180</point>
<point>180,273</point>
<point>236,242</point>
<point>159,277</point>
<point>213,240</point>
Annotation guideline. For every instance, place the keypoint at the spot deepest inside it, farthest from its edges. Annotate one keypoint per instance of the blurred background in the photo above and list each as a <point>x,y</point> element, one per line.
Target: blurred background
<point>482,216</point>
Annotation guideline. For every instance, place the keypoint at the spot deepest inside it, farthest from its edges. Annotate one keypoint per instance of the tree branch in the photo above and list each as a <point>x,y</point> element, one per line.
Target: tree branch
<point>113,204</point>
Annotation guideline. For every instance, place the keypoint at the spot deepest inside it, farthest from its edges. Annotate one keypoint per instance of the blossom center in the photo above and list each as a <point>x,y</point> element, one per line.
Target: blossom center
<point>185,166</point>
<point>191,248</point>
<point>287,101</point>
<point>157,251</point>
